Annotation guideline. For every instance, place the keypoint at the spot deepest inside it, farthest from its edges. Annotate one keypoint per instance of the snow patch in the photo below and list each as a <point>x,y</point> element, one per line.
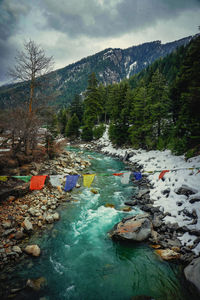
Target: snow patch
<point>133,65</point>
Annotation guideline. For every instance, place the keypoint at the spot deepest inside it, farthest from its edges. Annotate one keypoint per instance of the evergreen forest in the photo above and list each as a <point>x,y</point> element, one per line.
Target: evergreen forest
<point>158,108</point>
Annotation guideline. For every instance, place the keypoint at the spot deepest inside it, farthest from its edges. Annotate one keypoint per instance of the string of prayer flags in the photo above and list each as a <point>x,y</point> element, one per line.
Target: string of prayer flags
<point>23,178</point>
<point>125,178</point>
<point>137,175</point>
<point>55,180</point>
<point>162,174</point>
<point>88,179</point>
<point>118,174</point>
<point>3,178</point>
<point>70,183</point>
<point>37,182</point>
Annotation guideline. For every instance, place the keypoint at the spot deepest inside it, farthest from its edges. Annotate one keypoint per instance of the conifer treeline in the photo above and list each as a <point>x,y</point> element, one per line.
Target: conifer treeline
<point>157,109</point>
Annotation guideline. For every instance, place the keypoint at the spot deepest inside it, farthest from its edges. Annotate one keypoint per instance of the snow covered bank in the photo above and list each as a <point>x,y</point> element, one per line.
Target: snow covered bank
<point>178,194</point>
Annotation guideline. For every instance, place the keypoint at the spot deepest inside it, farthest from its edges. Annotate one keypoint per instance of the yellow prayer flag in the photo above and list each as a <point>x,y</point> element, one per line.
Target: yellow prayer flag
<point>3,178</point>
<point>88,179</point>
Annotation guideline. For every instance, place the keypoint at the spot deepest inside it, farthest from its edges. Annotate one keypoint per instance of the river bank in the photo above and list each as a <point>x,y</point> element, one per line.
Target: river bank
<point>32,211</point>
<point>172,202</point>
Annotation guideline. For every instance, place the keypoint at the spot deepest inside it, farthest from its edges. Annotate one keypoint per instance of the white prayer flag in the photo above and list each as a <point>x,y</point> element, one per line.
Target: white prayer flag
<point>125,177</point>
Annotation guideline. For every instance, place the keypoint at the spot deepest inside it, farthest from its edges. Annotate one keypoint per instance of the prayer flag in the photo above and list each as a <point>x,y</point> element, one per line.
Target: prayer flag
<point>24,178</point>
<point>118,174</point>
<point>71,181</point>
<point>55,180</point>
<point>88,179</point>
<point>37,182</point>
<point>162,174</point>
<point>104,174</point>
<point>125,178</point>
<point>137,175</point>
<point>3,178</point>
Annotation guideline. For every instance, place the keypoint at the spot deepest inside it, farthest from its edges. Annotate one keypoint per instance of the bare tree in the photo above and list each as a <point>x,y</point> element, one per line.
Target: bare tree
<point>31,64</point>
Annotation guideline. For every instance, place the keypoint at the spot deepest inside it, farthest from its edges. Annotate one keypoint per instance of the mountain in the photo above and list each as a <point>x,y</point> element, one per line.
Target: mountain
<point>109,65</point>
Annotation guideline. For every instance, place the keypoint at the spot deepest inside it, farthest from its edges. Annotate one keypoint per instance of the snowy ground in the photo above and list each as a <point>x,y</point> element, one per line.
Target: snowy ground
<point>164,192</point>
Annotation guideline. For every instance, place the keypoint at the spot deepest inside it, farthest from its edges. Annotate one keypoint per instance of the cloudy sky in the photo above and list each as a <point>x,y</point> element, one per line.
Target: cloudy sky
<point>72,29</point>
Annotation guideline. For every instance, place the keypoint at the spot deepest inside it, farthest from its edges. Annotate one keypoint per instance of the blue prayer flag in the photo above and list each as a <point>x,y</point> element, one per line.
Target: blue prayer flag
<point>137,175</point>
<point>70,183</point>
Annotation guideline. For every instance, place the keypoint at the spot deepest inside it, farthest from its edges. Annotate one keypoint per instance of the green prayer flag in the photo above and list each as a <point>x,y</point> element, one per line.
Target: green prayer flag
<point>24,178</point>
<point>104,174</point>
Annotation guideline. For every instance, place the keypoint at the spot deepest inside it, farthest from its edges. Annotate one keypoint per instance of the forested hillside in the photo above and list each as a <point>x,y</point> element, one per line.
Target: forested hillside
<point>109,65</point>
<point>158,108</point>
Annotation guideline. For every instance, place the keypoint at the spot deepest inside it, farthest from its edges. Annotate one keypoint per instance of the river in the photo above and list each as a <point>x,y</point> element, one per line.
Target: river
<point>80,261</point>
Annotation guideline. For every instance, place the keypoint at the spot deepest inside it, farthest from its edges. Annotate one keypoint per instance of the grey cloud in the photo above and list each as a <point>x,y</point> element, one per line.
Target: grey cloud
<point>97,20</point>
<point>10,13</point>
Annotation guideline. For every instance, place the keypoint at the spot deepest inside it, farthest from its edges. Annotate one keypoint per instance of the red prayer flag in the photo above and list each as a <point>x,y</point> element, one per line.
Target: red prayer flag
<point>118,174</point>
<point>37,182</point>
<point>163,173</point>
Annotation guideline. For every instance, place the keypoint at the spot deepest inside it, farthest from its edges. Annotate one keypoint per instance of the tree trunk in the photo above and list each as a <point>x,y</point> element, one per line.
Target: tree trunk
<point>31,95</point>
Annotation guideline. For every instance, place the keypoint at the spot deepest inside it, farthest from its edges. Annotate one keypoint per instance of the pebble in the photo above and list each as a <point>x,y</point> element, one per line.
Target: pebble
<point>17,249</point>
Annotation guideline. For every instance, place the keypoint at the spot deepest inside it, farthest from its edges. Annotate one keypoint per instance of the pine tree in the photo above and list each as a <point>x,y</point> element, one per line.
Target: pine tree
<point>92,107</point>
<point>159,103</point>
<point>141,128</point>
<point>72,128</point>
<point>119,104</point>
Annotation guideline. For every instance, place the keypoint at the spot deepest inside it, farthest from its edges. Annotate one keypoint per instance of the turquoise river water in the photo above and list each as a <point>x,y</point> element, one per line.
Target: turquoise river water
<point>80,261</point>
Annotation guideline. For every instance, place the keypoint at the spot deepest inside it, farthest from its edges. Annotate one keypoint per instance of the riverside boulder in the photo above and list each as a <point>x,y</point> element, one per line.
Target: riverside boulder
<point>192,272</point>
<point>33,250</point>
<point>136,228</point>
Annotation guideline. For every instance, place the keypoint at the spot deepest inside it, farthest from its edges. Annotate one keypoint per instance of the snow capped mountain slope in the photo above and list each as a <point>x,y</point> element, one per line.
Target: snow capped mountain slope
<point>109,65</point>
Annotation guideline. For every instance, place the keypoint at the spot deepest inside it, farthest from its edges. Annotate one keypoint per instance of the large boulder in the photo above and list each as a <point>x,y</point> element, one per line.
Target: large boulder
<point>192,272</point>
<point>136,228</point>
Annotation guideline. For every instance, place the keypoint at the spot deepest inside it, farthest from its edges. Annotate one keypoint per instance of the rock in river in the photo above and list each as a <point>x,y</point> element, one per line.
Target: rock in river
<point>36,284</point>
<point>136,228</point>
<point>192,272</point>
<point>33,250</point>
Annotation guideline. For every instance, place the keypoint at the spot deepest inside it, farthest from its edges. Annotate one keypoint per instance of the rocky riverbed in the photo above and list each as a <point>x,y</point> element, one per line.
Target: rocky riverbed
<point>25,213</point>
